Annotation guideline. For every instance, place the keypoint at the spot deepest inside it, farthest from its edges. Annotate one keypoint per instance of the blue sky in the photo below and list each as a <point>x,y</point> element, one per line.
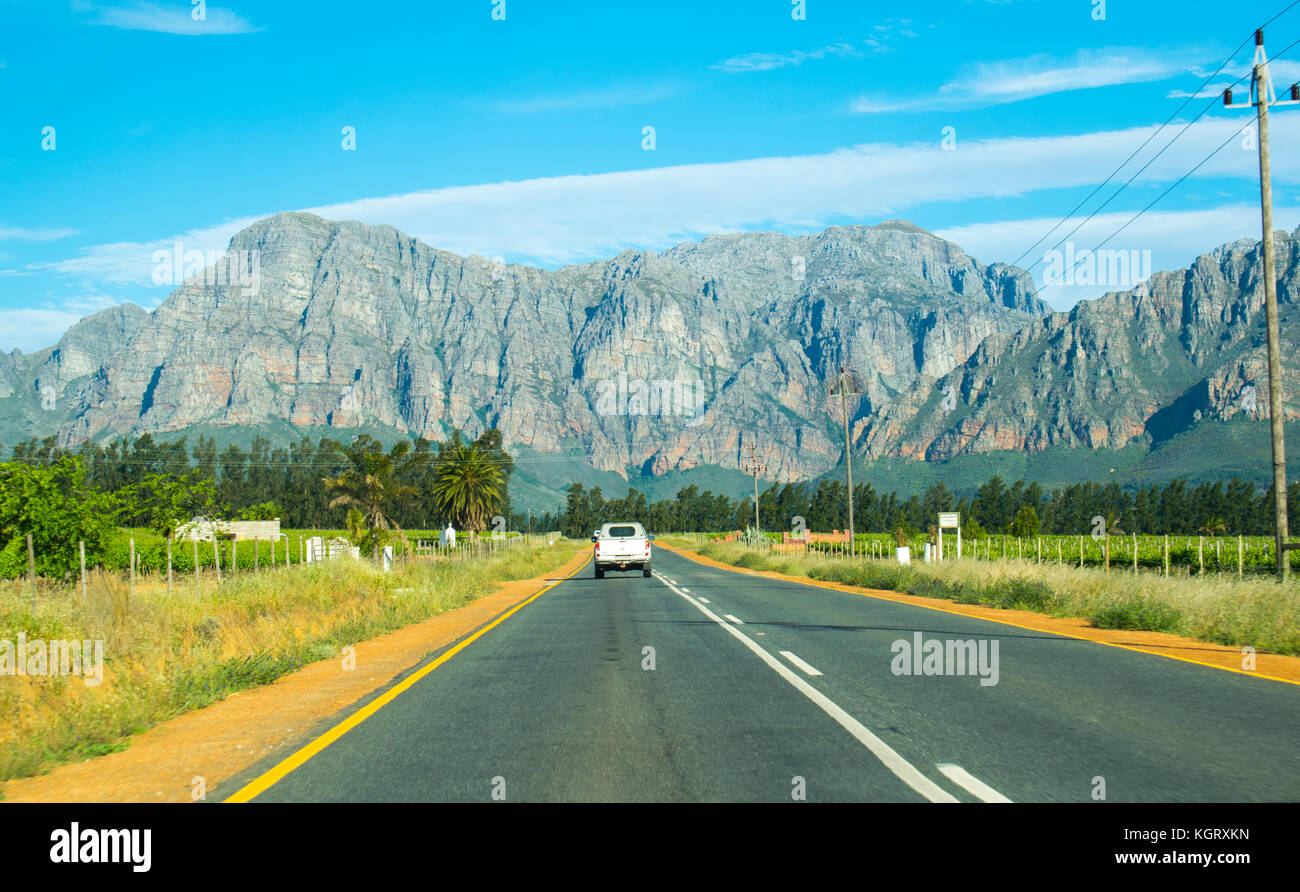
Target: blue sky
<point>524,137</point>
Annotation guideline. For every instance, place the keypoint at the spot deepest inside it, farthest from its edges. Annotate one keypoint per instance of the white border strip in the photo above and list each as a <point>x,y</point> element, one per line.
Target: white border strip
<point>971,784</point>
<point>808,669</point>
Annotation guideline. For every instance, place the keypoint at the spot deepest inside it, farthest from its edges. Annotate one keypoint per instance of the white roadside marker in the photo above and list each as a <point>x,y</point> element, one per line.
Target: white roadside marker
<point>902,769</point>
<point>738,622</point>
<point>808,670</point>
<point>703,600</point>
<point>971,784</point>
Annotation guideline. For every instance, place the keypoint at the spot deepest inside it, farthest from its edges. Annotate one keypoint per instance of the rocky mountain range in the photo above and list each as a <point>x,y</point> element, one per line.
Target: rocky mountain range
<point>653,362</point>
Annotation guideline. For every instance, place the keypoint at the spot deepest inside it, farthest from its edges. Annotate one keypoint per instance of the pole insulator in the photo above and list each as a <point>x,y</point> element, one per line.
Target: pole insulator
<point>1295,92</point>
<point>1227,96</point>
<point>1259,37</point>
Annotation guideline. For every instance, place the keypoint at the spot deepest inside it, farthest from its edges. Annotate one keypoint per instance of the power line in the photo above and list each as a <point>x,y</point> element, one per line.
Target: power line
<point>1176,183</point>
<point>1135,153</point>
<point>1144,144</point>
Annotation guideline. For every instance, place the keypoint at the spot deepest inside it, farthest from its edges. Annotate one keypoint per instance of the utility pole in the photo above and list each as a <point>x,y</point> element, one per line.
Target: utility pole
<point>1262,97</point>
<point>754,467</point>
<point>843,382</point>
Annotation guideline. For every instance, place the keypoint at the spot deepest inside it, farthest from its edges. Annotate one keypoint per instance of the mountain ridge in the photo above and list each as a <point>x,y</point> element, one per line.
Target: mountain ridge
<point>356,325</point>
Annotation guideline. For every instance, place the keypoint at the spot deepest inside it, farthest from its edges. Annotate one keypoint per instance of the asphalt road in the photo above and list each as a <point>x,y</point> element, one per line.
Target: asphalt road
<point>763,690</point>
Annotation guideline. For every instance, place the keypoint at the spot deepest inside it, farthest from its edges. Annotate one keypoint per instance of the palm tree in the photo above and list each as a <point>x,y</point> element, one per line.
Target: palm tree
<point>1214,526</point>
<point>467,487</point>
<point>371,486</point>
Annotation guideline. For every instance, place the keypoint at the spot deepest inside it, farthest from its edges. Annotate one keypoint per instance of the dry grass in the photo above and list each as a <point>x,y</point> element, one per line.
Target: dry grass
<point>164,656</point>
<point>1222,609</point>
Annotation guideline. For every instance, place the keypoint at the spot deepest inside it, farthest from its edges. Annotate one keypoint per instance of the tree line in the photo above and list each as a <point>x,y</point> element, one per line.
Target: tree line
<point>1026,509</point>
<point>60,496</point>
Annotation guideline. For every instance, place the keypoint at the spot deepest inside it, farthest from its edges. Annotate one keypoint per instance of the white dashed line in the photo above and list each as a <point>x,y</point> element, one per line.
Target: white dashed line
<point>902,769</point>
<point>973,785</point>
<point>739,622</point>
<point>703,600</point>
<point>808,670</point>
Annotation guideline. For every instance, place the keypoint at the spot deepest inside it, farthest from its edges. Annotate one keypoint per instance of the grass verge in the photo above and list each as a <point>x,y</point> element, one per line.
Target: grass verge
<point>1223,610</point>
<point>165,656</point>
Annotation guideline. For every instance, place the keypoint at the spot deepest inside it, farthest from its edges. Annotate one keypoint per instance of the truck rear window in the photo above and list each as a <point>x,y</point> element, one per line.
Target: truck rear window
<point>622,532</point>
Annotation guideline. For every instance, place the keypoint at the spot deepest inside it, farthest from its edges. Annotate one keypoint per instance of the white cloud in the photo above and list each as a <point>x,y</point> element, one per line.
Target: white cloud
<point>18,234</point>
<point>574,218</point>
<point>606,97</point>
<point>995,83</point>
<point>175,19</point>
<point>34,328</point>
<point>769,61</point>
<point>1174,238</point>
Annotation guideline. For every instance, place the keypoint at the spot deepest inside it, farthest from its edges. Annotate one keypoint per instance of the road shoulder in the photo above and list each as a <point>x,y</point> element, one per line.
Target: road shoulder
<point>224,740</point>
<point>1273,667</point>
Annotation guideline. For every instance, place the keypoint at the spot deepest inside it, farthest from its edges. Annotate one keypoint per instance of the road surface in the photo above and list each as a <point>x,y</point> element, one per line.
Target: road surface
<point>768,690</point>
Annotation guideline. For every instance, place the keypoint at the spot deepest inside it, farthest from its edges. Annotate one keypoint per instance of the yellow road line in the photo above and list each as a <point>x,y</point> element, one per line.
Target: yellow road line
<point>859,590</point>
<point>264,782</point>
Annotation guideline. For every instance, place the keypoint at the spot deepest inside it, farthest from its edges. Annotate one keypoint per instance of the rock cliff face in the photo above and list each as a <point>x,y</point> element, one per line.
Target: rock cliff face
<point>652,362</point>
<point>1143,364</point>
<point>647,362</point>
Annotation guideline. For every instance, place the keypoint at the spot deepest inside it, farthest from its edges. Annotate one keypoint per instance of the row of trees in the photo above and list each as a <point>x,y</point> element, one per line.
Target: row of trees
<point>287,481</point>
<point>60,496</point>
<point>1025,509</point>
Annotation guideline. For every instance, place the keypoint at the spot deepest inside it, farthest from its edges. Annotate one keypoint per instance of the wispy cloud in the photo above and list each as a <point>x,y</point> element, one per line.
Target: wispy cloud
<point>770,61</point>
<point>18,234</point>
<point>1284,72</point>
<point>882,40</point>
<point>582,100</point>
<point>175,19</point>
<point>575,218</point>
<point>34,328</point>
<point>1013,80</point>
<point>1174,238</point>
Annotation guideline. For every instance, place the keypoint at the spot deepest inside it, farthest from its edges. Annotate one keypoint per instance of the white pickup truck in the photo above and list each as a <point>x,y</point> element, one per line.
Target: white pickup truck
<point>621,546</point>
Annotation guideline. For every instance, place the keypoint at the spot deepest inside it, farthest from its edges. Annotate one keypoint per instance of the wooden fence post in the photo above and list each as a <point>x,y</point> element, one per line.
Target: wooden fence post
<point>198,586</point>
<point>130,591</point>
<point>31,569</point>
<point>169,566</point>
<point>1166,554</point>
<point>1200,553</point>
<point>1240,558</point>
<point>81,548</point>
<point>216,556</point>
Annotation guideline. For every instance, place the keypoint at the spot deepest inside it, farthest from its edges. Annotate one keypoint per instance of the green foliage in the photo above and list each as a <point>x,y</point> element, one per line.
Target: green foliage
<point>755,539</point>
<point>468,486</point>
<point>163,502</point>
<point>57,507</point>
<point>1137,614</point>
<point>372,484</point>
<point>1026,523</point>
<point>260,511</point>
<point>904,534</point>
